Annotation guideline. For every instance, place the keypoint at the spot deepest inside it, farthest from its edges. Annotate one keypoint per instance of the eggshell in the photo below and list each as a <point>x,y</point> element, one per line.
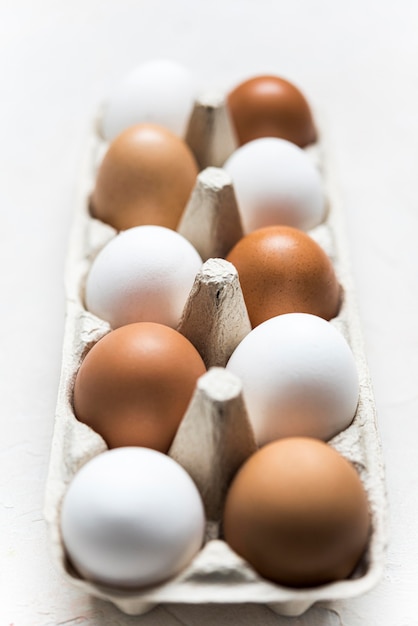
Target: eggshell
<point>160,91</point>
<point>297,512</point>
<point>135,384</point>
<point>132,517</point>
<point>146,177</point>
<point>276,182</point>
<point>144,274</point>
<point>283,270</point>
<point>299,378</point>
<point>270,106</point>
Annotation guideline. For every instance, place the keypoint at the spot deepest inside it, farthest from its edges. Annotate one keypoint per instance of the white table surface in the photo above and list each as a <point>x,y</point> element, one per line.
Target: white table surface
<point>358,63</point>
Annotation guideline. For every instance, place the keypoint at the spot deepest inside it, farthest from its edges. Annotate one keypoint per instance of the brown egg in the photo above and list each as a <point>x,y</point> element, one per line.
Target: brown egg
<point>283,270</point>
<point>269,106</point>
<point>146,177</point>
<point>135,384</point>
<point>298,513</point>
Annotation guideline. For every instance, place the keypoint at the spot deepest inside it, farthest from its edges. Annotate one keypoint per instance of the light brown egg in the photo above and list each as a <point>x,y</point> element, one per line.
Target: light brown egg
<point>283,270</point>
<point>269,106</point>
<point>135,384</point>
<point>297,511</point>
<point>146,177</point>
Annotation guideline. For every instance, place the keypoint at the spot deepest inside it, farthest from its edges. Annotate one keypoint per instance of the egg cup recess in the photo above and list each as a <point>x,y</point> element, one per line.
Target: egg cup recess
<point>216,574</point>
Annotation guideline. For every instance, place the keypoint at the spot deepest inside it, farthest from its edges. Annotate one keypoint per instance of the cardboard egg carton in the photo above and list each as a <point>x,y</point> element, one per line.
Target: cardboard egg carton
<point>215,436</point>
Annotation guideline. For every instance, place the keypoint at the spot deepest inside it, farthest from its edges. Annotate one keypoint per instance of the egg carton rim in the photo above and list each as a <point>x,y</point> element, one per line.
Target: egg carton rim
<point>286,601</point>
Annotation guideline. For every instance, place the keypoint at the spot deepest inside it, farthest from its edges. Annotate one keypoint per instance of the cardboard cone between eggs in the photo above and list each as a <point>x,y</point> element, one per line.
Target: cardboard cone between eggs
<point>214,438</point>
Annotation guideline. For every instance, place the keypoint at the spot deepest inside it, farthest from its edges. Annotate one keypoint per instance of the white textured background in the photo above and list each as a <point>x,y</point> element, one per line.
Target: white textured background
<point>358,63</point>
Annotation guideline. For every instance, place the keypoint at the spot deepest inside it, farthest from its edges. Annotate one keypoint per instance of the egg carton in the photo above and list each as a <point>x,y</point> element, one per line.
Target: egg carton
<point>215,436</point>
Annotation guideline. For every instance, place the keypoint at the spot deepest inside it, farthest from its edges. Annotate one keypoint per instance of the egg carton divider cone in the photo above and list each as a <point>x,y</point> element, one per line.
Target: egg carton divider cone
<point>215,436</point>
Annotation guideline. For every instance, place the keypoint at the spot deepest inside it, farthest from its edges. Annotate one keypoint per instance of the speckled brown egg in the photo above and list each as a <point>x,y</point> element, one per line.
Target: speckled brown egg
<point>283,270</point>
<point>297,511</point>
<point>270,106</point>
<point>146,177</point>
<point>135,384</point>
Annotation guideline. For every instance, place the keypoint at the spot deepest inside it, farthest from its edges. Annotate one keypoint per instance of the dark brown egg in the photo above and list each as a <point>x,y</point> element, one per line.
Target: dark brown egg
<point>269,106</point>
<point>146,177</point>
<point>283,270</point>
<point>297,511</point>
<point>135,384</point>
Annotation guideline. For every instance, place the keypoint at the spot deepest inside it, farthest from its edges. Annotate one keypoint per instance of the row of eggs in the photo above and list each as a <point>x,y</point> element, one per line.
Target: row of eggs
<point>296,510</point>
<point>148,173</point>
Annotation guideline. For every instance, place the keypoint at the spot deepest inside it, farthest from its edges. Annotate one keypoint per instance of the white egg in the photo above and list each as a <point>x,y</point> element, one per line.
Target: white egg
<point>299,377</point>
<point>159,92</point>
<point>275,182</point>
<point>132,517</point>
<point>144,274</point>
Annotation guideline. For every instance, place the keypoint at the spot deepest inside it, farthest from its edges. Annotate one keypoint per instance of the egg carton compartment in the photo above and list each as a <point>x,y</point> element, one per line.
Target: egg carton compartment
<point>215,320</point>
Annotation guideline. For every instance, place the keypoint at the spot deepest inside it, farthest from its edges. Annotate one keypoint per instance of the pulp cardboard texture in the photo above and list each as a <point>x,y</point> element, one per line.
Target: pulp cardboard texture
<point>215,436</point>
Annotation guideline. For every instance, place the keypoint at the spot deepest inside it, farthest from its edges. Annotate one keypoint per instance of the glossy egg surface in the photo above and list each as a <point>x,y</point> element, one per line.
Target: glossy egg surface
<point>131,517</point>
<point>135,384</point>
<point>297,511</point>
<point>146,177</point>
<point>270,106</point>
<point>283,270</point>
<point>299,378</point>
